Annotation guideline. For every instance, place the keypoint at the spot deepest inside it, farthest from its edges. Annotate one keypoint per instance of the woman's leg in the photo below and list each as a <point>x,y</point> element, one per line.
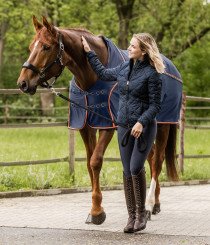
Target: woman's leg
<point>126,153</point>
<point>138,175</point>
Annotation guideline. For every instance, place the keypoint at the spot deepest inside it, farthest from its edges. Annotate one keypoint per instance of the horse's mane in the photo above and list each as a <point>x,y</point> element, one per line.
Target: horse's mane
<point>85,31</point>
<point>89,36</point>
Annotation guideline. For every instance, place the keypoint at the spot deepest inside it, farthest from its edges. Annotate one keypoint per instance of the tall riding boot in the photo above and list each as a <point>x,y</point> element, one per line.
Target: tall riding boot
<point>130,202</point>
<point>139,185</point>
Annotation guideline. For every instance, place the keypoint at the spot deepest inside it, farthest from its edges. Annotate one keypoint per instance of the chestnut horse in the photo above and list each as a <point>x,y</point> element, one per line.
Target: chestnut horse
<point>53,49</point>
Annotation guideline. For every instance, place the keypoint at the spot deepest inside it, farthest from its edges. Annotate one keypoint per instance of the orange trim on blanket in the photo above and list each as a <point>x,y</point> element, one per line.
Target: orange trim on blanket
<point>102,127</point>
<point>173,76</point>
<point>109,103</point>
<point>120,53</point>
<point>78,86</point>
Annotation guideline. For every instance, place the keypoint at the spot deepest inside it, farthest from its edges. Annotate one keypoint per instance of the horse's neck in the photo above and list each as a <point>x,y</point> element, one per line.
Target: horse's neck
<point>76,60</point>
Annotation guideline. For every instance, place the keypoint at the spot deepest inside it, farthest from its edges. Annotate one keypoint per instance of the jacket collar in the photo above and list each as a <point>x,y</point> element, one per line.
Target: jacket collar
<point>139,63</point>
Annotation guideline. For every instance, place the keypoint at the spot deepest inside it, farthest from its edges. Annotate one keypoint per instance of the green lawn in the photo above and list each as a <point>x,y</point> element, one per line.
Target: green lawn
<point>45,143</point>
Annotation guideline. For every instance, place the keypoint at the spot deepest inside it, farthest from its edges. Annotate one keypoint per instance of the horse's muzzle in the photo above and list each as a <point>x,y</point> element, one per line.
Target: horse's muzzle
<point>24,87</point>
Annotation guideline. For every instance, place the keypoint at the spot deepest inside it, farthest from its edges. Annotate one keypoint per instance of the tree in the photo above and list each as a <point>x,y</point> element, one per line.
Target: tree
<point>175,24</point>
<point>124,10</point>
<point>4,10</point>
<point>179,26</point>
<point>195,68</point>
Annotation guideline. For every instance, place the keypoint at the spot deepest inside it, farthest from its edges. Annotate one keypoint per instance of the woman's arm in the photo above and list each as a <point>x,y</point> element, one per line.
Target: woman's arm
<point>99,69</point>
<point>154,93</point>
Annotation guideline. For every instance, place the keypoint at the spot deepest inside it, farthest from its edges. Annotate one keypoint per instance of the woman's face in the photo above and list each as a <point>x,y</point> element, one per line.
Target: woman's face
<point>135,51</point>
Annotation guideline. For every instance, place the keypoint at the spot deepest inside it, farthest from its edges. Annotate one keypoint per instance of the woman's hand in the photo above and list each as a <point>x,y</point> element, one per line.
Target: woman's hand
<point>137,130</point>
<point>85,45</point>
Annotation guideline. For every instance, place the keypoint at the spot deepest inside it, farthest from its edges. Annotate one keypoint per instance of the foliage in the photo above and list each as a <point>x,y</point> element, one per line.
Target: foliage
<point>196,74</point>
<point>174,24</point>
<point>46,143</point>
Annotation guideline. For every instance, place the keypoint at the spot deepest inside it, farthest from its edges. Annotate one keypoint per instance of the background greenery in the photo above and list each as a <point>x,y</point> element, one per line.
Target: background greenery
<point>181,29</point>
<point>45,143</point>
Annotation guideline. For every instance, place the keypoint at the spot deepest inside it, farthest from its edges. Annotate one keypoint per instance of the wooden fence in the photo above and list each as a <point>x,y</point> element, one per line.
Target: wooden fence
<point>71,157</point>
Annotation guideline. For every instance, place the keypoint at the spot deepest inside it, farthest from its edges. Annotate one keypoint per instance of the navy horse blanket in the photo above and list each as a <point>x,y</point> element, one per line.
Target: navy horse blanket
<point>103,96</point>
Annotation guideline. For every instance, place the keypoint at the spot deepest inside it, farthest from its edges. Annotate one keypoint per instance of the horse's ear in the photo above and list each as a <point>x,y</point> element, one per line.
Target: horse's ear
<point>37,25</point>
<point>48,25</point>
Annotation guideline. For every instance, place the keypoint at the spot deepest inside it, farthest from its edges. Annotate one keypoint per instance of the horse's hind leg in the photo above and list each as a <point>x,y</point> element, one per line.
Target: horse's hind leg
<point>155,159</point>
<point>156,208</point>
<point>97,215</point>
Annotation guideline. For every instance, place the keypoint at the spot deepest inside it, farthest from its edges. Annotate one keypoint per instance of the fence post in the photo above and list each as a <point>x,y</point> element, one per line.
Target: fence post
<point>181,133</point>
<point>6,114</point>
<point>71,151</point>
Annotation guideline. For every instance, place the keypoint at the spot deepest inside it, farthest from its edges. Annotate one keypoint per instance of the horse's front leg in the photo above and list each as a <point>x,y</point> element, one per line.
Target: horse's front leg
<point>89,138</point>
<point>97,215</point>
<point>155,159</point>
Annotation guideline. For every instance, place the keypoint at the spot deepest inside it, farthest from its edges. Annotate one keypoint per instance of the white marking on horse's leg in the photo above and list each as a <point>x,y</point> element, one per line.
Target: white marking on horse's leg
<point>35,45</point>
<point>150,201</point>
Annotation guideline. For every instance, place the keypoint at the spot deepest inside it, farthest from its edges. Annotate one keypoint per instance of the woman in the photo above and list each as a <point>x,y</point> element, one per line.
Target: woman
<point>140,98</point>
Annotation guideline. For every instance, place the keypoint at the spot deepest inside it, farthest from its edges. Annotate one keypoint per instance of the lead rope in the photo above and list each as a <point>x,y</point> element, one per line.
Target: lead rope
<point>141,142</point>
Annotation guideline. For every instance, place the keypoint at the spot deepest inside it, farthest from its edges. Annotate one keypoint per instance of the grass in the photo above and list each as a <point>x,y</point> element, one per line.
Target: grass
<point>45,143</point>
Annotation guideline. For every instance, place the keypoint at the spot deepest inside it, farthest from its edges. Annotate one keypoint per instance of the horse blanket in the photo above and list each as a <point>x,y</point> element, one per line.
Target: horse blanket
<point>103,96</point>
<point>171,94</point>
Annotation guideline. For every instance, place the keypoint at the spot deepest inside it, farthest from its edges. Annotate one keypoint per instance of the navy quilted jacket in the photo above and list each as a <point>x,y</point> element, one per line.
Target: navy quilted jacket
<point>139,89</point>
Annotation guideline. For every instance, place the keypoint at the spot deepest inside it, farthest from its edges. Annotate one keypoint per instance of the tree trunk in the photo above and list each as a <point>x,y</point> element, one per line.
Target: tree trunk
<point>2,42</point>
<point>124,11</point>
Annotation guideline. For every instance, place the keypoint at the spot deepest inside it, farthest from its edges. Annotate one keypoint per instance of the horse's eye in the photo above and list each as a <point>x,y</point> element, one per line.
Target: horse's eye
<point>45,47</point>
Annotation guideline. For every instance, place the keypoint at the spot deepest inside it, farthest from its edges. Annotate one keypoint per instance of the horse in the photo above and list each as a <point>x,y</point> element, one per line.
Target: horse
<point>55,48</point>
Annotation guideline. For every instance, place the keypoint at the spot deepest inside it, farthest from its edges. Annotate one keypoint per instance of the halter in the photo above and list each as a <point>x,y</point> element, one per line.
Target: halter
<point>43,72</point>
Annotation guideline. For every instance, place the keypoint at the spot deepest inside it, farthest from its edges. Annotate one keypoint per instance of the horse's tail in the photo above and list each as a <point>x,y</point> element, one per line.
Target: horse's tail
<point>170,153</point>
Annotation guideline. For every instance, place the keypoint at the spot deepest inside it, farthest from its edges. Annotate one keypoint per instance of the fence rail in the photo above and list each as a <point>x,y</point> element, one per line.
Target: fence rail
<point>34,125</point>
<point>193,98</point>
<point>36,108</point>
<point>78,159</point>
<point>18,91</point>
<point>32,162</point>
<point>71,158</point>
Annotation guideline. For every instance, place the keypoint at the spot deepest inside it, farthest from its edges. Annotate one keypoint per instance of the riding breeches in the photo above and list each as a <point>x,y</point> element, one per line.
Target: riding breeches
<point>132,159</point>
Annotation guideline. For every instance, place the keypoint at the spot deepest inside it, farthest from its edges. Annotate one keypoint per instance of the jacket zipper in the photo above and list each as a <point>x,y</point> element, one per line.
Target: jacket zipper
<point>127,98</point>
<point>127,95</point>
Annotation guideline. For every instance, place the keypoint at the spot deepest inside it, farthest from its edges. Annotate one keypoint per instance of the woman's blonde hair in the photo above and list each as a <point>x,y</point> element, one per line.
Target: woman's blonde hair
<point>147,44</point>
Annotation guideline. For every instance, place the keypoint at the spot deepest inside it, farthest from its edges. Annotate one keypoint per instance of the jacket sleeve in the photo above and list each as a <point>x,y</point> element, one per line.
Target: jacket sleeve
<point>154,93</point>
<point>103,73</point>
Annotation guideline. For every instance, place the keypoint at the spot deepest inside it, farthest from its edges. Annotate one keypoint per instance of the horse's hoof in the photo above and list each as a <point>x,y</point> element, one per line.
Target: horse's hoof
<point>96,220</point>
<point>156,209</point>
<point>148,215</point>
<point>99,219</point>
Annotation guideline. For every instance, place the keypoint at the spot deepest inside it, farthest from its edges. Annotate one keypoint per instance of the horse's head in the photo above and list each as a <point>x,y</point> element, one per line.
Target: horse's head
<point>45,60</point>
